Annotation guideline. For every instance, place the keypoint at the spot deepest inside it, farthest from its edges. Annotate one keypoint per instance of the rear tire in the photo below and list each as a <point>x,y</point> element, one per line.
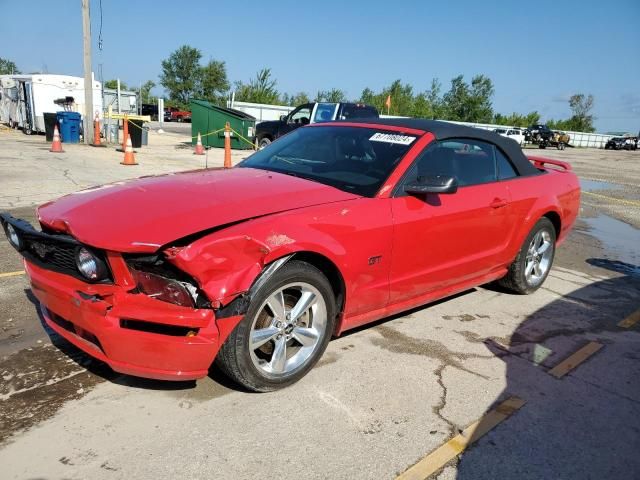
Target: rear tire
<point>532,265</point>
<point>285,331</point>
<point>264,141</point>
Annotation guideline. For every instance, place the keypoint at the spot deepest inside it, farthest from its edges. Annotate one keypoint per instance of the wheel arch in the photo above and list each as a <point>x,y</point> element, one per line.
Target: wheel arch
<point>555,219</point>
<point>330,270</point>
<point>236,309</point>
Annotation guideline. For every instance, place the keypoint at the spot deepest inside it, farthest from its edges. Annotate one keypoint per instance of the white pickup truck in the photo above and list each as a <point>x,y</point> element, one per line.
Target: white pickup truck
<point>516,134</point>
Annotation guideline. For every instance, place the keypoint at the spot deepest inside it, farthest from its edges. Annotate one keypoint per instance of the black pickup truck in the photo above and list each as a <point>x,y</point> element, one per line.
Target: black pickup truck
<point>267,132</point>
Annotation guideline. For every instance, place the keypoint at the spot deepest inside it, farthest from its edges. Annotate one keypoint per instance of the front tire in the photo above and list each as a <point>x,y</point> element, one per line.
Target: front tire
<point>284,332</point>
<point>532,265</point>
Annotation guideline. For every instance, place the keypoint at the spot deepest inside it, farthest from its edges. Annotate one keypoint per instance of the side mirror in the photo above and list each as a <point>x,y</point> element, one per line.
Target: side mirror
<point>432,184</point>
<point>283,118</point>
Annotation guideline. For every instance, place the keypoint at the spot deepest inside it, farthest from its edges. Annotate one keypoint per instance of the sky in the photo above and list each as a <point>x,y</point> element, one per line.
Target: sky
<point>537,53</point>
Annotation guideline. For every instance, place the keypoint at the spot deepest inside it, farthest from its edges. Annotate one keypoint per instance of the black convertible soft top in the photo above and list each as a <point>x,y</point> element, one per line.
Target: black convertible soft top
<point>445,130</point>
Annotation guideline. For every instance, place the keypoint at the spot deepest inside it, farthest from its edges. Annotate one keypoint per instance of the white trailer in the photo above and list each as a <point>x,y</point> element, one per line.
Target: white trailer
<point>260,111</point>
<point>25,98</point>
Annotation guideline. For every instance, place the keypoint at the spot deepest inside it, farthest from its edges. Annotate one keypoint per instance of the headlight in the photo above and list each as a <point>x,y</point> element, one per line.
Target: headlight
<point>89,265</point>
<point>162,288</point>
<point>13,237</point>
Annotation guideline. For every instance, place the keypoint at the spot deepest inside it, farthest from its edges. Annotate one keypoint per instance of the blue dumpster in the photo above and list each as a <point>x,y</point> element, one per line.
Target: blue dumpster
<point>69,126</point>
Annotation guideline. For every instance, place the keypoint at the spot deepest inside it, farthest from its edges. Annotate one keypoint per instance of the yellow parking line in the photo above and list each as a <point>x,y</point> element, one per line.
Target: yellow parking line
<point>12,274</point>
<point>447,452</point>
<point>575,359</point>
<point>631,320</point>
<point>613,199</point>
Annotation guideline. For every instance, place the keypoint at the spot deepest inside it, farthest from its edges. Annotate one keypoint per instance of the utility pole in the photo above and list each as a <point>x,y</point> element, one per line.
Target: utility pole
<point>88,77</point>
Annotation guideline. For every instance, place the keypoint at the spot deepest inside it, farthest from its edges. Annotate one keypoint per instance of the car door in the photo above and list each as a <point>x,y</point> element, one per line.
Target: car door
<point>297,118</point>
<point>440,240</point>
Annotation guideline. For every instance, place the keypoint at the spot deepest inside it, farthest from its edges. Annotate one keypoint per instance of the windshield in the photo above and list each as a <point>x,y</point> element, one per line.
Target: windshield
<point>356,160</point>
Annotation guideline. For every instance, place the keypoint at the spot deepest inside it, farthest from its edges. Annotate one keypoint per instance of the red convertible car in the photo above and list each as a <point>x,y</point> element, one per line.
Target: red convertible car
<point>256,267</point>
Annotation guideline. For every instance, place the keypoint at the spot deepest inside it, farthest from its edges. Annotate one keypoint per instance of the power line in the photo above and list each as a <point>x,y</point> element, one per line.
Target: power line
<point>100,33</point>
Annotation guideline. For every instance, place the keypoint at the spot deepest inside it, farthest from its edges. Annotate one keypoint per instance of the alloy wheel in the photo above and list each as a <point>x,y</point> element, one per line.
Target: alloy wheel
<point>539,256</point>
<point>287,329</point>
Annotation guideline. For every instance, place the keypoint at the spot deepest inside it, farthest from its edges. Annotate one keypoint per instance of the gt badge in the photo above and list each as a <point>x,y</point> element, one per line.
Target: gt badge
<point>374,260</point>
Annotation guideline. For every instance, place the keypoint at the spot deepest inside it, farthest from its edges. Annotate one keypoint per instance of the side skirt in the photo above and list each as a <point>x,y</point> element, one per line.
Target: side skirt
<point>348,323</point>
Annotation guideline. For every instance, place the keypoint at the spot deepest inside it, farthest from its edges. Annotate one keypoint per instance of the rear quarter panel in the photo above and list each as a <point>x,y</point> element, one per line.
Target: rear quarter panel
<point>532,197</point>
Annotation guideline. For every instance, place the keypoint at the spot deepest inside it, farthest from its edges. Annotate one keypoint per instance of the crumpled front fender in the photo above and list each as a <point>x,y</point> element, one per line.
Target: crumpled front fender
<point>223,267</point>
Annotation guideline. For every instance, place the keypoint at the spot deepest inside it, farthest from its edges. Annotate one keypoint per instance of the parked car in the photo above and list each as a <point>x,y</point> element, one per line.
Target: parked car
<point>332,227</point>
<point>513,133</point>
<point>173,114</point>
<point>267,132</point>
<point>619,143</point>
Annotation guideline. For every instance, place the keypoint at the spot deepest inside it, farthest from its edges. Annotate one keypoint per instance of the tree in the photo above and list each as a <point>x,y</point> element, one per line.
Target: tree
<point>517,119</point>
<point>261,89</point>
<point>298,99</point>
<point>581,119</point>
<point>469,103</point>
<point>434,99</point>
<point>113,84</point>
<point>7,67</point>
<point>213,84</point>
<point>481,91</point>
<point>368,96</point>
<point>335,95</point>
<point>181,74</point>
<point>145,92</point>
<point>456,100</point>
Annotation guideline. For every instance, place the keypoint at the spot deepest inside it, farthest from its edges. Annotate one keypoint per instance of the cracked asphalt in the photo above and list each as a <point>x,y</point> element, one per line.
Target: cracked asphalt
<point>381,398</point>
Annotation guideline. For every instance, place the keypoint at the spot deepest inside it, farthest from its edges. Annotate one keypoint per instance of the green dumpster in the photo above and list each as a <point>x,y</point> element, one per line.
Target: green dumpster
<point>207,117</point>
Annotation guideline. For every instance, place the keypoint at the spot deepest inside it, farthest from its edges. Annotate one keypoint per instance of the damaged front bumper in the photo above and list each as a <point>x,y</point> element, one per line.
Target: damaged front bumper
<point>132,333</point>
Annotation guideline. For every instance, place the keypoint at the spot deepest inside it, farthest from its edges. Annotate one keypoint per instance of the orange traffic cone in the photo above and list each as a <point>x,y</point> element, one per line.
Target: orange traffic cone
<point>96,132</point>
<point>129,158</point>
<point>199,148</point>
<point>56,146</point>
<point>227,145</point>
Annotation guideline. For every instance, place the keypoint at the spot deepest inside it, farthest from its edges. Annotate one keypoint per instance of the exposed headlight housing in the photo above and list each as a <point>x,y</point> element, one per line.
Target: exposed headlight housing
<point>89,265</point>
<point>164,289</point>
<point>14,238</point>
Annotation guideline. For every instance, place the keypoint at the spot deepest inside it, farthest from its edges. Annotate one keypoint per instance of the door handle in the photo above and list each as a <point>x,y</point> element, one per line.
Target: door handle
<point>498,203</point>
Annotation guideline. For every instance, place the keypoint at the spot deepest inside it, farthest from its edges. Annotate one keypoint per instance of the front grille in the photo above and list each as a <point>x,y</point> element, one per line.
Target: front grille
<point>56,252</point>
<point>50,253</point>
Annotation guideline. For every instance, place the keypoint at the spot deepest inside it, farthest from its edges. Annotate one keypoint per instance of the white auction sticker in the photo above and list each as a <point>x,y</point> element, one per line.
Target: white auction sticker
<point>392,138</point>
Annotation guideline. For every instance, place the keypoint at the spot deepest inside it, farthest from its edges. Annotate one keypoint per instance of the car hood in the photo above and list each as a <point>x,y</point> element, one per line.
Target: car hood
<point>144,214</point>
